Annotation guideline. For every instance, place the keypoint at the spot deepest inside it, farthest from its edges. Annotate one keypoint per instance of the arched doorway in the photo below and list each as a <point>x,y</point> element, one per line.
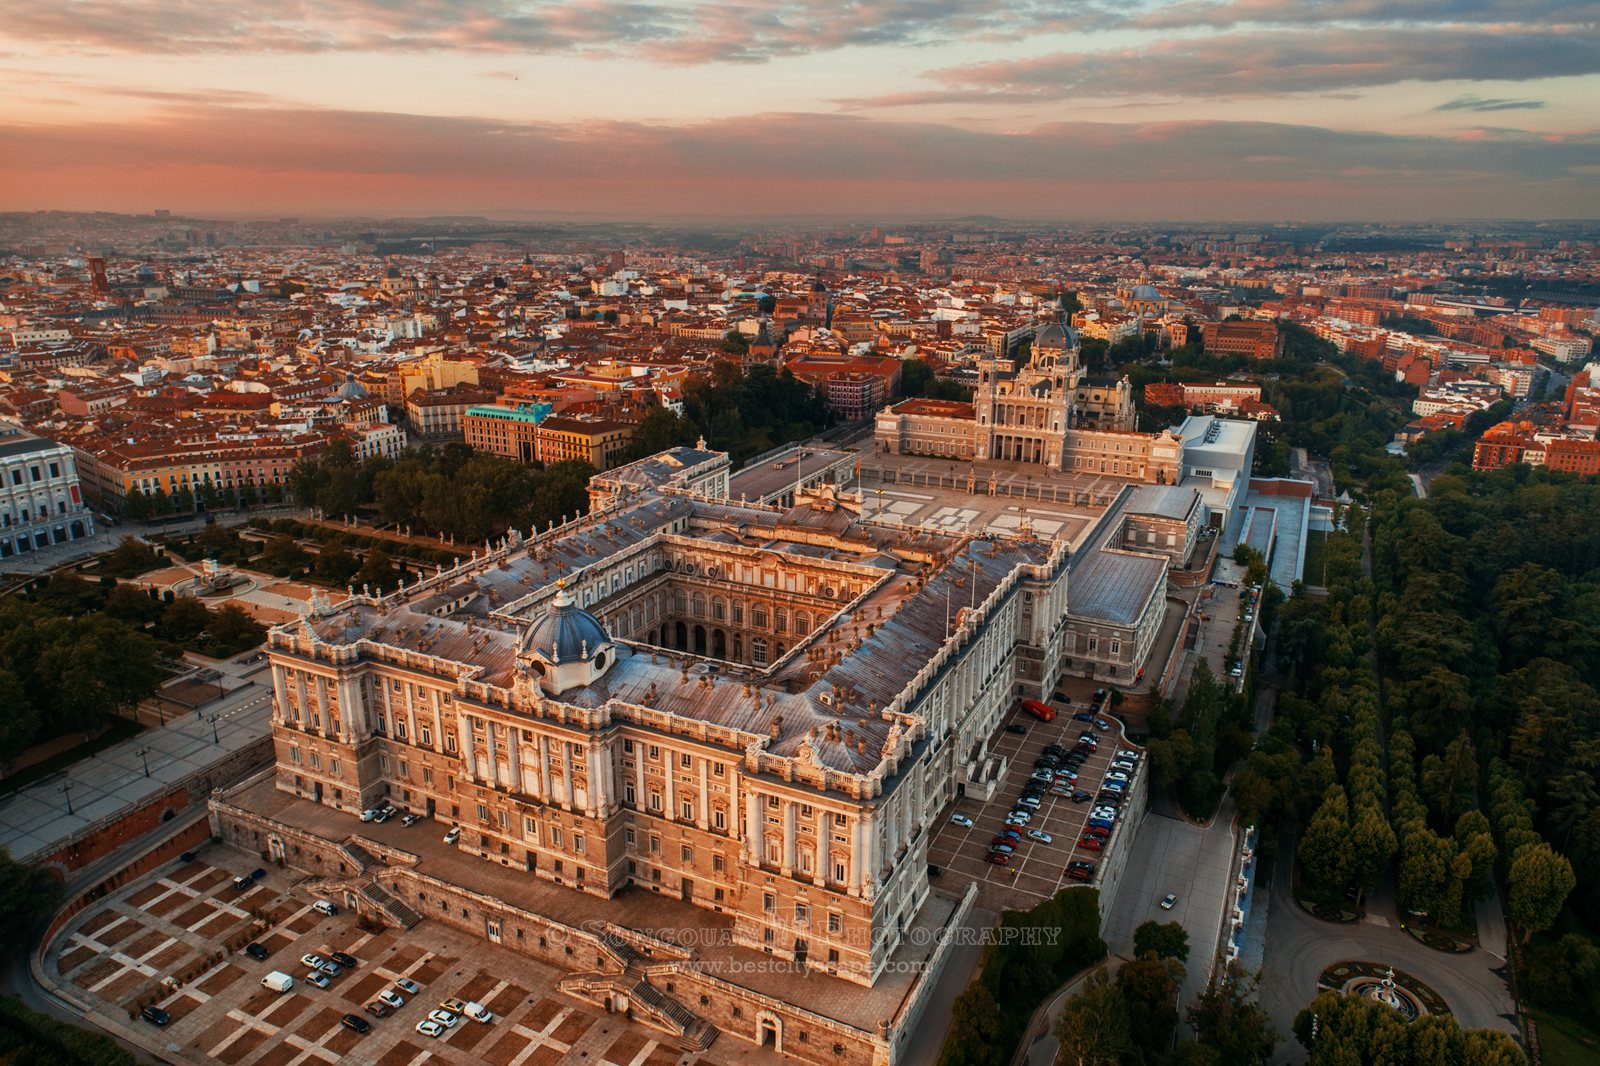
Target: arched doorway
<point>719,644</point>
<point>769,1031</point>
<point>699,640</point>
<point>682,643</point>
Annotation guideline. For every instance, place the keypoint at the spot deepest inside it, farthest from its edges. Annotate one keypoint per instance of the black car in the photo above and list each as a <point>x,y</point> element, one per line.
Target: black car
<point>155,1015</point>
<point>1081,796</point>
<point>1018,729</point>
<point>355,1023</point>
<point>1054,749</point>
<point>1110,799</point>
<point>257,874</point>
<point>256,951</point>
<point>349,962</point>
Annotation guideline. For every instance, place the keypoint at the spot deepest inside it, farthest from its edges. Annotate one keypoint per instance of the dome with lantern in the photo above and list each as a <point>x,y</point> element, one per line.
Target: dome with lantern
<point>565,647</point>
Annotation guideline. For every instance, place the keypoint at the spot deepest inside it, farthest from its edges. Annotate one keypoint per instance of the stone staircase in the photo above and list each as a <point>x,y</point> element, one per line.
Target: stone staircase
<point>364,860</point>
<point>646,1004</point>
<point>624,951</point>
<point>403,915</point>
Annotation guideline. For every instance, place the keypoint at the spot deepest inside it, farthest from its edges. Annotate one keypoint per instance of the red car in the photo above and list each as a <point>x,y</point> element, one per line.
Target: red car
<point>1076,874</point>
<point>1092,843</point>
<point>1000,860</point>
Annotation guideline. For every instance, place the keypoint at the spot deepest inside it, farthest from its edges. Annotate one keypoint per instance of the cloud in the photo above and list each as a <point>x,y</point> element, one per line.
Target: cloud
<point>205,157</point>
<point>669,32</point>
<point>1468,102</point>
<point>1262,64</point>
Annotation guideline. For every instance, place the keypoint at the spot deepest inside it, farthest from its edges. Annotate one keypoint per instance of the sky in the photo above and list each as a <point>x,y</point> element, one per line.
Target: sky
<point>1110,110</point>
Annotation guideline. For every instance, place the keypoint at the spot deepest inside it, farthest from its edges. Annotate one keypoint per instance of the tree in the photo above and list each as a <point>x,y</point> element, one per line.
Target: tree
<point>184,619</point>
<point>1372,845</point>
<point>19,723</point>
<point>1539,882</point>
<point>1149,985</point>
<point>131,604</point>
<point>974,1030</point>
<point>1451,781</point>
<point>1341,1030</point>
<point>1093,1027</point>
<point>130,558</point>
<point>232,630</point>
<point>335,566</point>
<point>27,896</point>
<point>283,556</point>
<point>1324,848</point>
<point>1165,940</point>
<point>1228,1017</point>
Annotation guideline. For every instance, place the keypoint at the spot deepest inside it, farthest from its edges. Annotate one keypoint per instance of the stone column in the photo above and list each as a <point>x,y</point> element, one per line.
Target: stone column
<point>491,753</point>
<point>464,747</point>
<point>670,800</point>
<point>599,790</point>
<point>641,797</point>
<point>544,768</point>
<point>869,842</point>
<point>703,811</point>
<point>513,757</point>
<point>566,774</point>
<point>752,829</point>
<point>820,872</point>
<point>438,723</point>
<point>791,811</point>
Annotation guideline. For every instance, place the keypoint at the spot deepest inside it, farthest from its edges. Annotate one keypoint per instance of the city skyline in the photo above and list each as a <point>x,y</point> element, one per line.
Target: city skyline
<point>1241,109</point>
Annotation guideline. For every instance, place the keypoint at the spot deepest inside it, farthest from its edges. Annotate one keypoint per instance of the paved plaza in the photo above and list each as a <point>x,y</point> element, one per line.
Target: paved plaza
<point>120,953</point>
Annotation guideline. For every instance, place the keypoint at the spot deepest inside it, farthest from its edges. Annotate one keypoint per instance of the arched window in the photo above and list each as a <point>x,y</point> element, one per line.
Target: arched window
<point>680,601</point>
<point>699,603</point>
<point>802,623</point>
<point>758,615</point>
<point>780,620</point>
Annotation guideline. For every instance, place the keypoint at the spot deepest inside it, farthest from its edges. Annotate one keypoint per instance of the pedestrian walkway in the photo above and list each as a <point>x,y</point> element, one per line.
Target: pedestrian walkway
<point>39,817</point>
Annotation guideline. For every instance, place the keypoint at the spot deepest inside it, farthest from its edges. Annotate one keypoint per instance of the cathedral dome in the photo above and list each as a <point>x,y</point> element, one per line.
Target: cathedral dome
<point>564,633</point>
<point>1055,337</point>
<point>351,389</point>
<point>1147,294</point>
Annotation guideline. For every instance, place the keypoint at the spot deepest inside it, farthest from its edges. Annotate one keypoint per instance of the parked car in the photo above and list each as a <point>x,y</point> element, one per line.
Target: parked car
<point>407,985</point>
<point>242,883</point>
<point>479,1013</point>
<point>356,1023</point>
<point>1128,753</point>
<point>318,978</point>
<point>349,962</point>
<point>445,1018</point>
<point>256,951</point>
<point>1033,802</point>
<point>322,906</point>
<point>1040,835</point>
<point>962,820</point>
<point>430,1028</point>
<point>1080,871</point>
<point>1000,860</point>
<point>452,1004</point>
<point>1083,716</point>
<point>1169,901</point>
<point>1018,729</point>
<point>1092,843</point>
<point>313,961</point>
<point>1001,849</point>
<point>155,1015</point>
<point>453,836</point>
<point>370,814</point>
<point>389,997</point>
<point>1081,796</point>
<point>410,820</point>
<point>1054,749</point>
<point>1100,823</point>
<point>1101,724</point>
<point>1063,790</point>
<point>376,1008</point>
<point>1008,841</point>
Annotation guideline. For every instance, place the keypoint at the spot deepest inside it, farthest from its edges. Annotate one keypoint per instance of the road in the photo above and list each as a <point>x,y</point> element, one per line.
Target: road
<point>1194,862</point>
<point>1299,947</point>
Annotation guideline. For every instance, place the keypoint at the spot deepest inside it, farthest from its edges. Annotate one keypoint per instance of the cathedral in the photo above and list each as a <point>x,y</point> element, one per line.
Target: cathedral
<point>1048,412</point>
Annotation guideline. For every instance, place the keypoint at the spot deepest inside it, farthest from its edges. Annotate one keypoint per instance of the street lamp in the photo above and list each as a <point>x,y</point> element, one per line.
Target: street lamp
<point>67,788</point>
<point>142,753</point>
<point>213,720</point>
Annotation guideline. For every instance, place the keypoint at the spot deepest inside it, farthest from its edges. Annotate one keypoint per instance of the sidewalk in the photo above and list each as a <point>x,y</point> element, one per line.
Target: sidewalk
<point>36,819</point>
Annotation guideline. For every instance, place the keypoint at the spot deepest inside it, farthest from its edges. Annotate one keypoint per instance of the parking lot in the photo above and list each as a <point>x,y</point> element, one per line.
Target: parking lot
<point>120,953</point>
<point>1037,870</point>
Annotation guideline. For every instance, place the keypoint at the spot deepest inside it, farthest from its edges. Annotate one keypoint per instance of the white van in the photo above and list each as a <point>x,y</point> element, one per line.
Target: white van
<point>478,1012</point>
<point>278,981</point>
